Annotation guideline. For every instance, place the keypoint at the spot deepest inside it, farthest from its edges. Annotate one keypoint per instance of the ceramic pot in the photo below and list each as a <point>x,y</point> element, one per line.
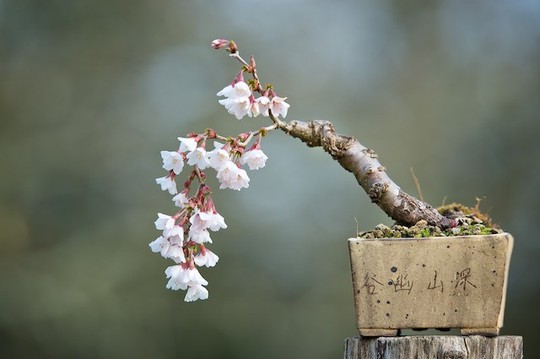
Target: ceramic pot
<point>436,282</point>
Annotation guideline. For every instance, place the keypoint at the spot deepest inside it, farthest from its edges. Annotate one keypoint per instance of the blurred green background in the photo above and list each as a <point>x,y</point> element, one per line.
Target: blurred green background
<point>91,91</point>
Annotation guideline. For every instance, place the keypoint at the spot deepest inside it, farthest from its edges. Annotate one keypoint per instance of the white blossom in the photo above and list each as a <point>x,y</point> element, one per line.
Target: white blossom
<point>180,200</point>
<point>187,144</point>
<point>164,221</point>
<point>218,158</point>
<point>237,106</point>
<point>176,253</point>
<point>198,157</point>
<point>172,161</point>
<point>169,248</point>
<point>181,278</point>
<point>216,221</point>
<point>177,239</point>
<point>264,105</point>
<point>167,183</point>
<point>159,245</point>
<point>232,177</point>
<point>173,231</point>
<point>206,220</point>
<point>255,159</point>
<point>253,108</point>
<point>237,101</point>
<point>194,277</point>
<point>199,220</point>
<point>240,89</point>
<point>196,292</point>
<point>279,107</point>
<point>178,277</point>
<point>227,91</point>
<point>208,259</point>
<point>199,236</point>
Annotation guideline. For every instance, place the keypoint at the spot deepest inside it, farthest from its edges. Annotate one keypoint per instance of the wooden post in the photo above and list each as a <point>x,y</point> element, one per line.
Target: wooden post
<point>431,347</point>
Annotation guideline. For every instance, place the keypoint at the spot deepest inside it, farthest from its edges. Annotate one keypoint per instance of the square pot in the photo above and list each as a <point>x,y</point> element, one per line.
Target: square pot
<point>436,282</point>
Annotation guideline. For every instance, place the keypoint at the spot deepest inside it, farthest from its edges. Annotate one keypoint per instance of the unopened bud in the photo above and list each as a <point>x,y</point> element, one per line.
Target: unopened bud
<point>219,43</point>
<point>211,133</point>
<point>238,78</point>
<point>243,136</point>
<point>232,47</point>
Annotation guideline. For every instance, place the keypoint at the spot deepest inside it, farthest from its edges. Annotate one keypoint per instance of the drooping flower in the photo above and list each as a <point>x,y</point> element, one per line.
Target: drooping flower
<point>255,159</point>
<point>178,277</point>
<point>196,292</point>
<point>237,106</point>
<point>218,158</point>
<point>207,220</point>
<point>187,144</point>
<point>169,248</point>
<point>176,274</point>
<point>199,220</point>
<point>167,183</point>
<point>232,177</point>
<point>172,161</point>
<point>279,107</point>
<point>264,104</point>
<point>253,107</point>
<point>160,244</point>
<point>216,221</point>
<point>168,225</point>
<point>239,89</point>
<point>164,222</point>
<point>194,277</point>
<point>174,231</point>
<point>199,236</point>
<point>198,157</point>
<point>180,200</point>
<point>182,276</point>
<point>206,258</point>
<point>176,253</point>
<point>237,101</point>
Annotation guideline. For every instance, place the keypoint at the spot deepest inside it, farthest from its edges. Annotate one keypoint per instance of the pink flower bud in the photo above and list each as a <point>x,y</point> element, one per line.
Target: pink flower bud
<point>238,78</point>
<point>219,43</point>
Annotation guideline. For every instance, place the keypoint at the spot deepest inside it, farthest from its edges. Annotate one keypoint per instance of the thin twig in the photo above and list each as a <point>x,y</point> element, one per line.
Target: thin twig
<point>258,132</point>
<point>251,69</point>
<point>417,183</point>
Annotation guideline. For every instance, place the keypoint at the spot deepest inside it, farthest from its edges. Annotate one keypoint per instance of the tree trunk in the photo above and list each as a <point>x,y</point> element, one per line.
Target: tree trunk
<point>431,347</point>
<point>370,174</point>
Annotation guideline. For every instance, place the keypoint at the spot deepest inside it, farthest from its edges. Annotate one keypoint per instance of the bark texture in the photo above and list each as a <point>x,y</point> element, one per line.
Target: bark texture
<point>430,347</point>
<point>369,172</point>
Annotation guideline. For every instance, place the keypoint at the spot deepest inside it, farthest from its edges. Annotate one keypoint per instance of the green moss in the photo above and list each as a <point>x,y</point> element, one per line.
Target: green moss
<point>426,232</point>
<point>469,224</point>
<point>453,210</point>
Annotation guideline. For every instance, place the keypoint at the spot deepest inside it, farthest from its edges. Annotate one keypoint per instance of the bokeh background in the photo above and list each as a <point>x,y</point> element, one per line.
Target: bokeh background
<point>91,91</point>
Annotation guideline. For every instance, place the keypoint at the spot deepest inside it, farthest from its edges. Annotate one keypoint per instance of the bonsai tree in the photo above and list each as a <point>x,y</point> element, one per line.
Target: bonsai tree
<point>186,234</point>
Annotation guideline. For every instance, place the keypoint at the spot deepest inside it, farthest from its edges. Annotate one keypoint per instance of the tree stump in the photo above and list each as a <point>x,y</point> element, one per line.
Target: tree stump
<point>431,347</point>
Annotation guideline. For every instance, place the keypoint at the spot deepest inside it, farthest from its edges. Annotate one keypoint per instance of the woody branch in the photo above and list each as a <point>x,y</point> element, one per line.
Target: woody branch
<point>371,175</point>
<point>355,158</point>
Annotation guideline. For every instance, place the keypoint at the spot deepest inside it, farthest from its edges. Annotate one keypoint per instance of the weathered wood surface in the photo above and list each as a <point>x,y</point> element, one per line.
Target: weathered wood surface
<point>435,347</point>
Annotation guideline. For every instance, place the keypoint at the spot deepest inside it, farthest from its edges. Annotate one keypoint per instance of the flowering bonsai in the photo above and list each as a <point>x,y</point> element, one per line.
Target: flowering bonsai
<point>186,234</point>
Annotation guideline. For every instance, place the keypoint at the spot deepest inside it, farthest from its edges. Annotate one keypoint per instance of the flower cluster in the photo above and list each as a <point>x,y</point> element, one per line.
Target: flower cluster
<point>186,234</point>
<point>240,101</point>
